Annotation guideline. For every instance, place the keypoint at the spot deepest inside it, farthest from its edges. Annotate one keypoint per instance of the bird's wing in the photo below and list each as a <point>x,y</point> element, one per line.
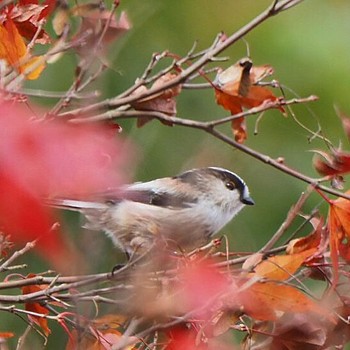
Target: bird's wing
<point>158,198</point>
<point>138,192</point>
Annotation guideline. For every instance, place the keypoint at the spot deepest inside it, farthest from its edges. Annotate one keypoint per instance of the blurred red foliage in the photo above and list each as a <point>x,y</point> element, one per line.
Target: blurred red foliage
<point>41,158</point>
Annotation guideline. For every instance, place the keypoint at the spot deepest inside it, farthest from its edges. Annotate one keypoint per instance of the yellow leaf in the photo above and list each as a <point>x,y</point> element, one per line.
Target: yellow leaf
<point>33,67</point>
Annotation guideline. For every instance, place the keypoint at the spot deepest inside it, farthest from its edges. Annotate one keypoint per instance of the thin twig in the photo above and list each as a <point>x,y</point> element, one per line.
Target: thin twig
<point>207,56</point>
<point>5,266</point>
<point>293,212</point>
<point>209,128</point>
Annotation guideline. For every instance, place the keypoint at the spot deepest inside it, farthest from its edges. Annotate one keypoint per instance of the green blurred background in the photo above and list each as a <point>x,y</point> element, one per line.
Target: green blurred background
<point>309,48</point>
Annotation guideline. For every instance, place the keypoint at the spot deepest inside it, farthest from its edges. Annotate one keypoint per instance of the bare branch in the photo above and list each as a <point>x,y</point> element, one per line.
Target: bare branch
<point>5,266</point>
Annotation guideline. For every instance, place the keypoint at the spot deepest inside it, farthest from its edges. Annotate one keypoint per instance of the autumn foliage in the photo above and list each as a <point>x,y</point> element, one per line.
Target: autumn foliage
<point>21,24</point>
<point>77,149</point>
<point>237,87</point>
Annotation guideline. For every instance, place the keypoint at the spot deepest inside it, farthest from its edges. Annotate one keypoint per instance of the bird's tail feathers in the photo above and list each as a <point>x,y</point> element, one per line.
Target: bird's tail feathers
<point>74,205</point>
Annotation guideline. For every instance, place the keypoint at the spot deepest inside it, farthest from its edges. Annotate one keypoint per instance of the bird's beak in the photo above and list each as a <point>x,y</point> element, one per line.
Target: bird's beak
<point>246,199</point>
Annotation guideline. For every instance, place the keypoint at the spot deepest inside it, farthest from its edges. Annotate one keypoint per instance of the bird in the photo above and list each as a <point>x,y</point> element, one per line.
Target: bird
<point>182,212</point>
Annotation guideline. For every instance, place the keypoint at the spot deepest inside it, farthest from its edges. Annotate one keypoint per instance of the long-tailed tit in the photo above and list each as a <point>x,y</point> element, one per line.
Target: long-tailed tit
<point>183,211</point>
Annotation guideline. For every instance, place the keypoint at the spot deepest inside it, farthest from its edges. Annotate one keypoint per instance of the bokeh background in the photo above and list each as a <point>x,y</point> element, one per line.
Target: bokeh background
<point>308,46</point>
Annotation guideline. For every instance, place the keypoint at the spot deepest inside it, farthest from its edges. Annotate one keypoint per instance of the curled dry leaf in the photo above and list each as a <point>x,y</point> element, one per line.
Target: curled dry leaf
<point>300,331</point>
<point>236,88</point>
<point>331,164</point>
<point>102,24</point>
<point>41,321</point>
<point>318,240</point>
<point>313,240</point>
<point>163,102</point>
<point>28,18</point>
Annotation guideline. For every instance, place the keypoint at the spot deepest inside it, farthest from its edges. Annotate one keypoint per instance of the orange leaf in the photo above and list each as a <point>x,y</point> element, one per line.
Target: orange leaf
<point>36,307</point>
<point>229,102</point>
<point>235,89</point>
<point>313,240</point>
<point>335,236</point>
<point>14,51</point>
<point>263,301</point>
<point>12,46</point>
<point>239,129</point>
<point>85,340</point>
<point>281,267</point>
<point>102,334</point>
<point>341,207</point>
<point>6,335</point>
<point>237,79</point>
<point>339,231</point>
<point>344,250</point>
<point>256,96</point>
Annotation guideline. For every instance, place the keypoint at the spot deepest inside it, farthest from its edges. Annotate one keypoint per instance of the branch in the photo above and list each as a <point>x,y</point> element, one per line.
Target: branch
<point>15,255</point>
<point>208,55</point>
<point>209,127</point>
<point>123,114</point>
<point>276,164</point>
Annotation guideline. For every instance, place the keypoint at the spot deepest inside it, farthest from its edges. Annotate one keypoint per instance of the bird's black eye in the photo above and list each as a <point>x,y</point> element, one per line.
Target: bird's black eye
<point>230,185</point>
